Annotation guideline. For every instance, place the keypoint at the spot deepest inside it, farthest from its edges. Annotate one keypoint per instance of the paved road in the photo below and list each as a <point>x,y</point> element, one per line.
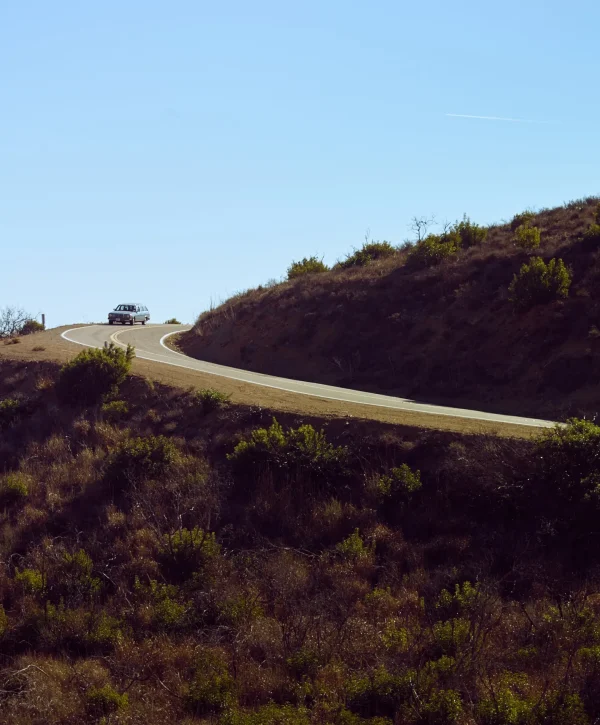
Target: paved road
<point>149,343</point>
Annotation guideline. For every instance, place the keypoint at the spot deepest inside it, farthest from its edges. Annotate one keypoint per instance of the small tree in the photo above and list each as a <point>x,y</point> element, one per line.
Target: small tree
<point>527,237</point>
<point>94,374</point>
<point>471,235</point>
<point>12,321</point>
<point>432,250</point>
<point>538,283</point>
<point>309,265</point>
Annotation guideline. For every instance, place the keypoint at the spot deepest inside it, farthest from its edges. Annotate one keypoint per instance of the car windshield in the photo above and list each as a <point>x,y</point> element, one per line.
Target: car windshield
<point>124,308</point>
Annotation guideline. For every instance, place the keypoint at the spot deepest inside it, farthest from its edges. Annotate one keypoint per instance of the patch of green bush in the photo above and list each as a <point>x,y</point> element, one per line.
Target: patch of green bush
<point>433,250</point>
<point>302,447</point>
<point>172,321</point>
<point>210,399</point>
<point>31,326</point>
<point>186,551</point>
<point>380,693</point>
<point>442,707</point>
<point>14,489</point>
<point>102,702</point>
<point>523,219</point>
<point>138,459</point>
<point>93,375</point>
<point>10,412</point>
<point>212,689</point>
<point>527,237</point>
<point>399,485</point>
<point>369,252</point>
<point>115,410</point>
<point>308,265</point>
<point>353,548</point>
<point>591,237</point>
<point>471,235</point>
<point>162,607</point>
<point>539,283</point>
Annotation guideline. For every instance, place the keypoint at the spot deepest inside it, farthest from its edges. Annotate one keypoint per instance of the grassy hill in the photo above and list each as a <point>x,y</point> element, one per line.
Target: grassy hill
<point>434,320</point>
<point>170,557</point>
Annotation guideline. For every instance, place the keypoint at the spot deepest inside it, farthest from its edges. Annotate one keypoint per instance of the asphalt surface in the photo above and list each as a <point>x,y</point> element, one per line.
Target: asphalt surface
<point>149,343</point>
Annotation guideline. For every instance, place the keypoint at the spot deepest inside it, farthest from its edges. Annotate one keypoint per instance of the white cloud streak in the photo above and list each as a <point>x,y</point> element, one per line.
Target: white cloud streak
<point>493,118</point>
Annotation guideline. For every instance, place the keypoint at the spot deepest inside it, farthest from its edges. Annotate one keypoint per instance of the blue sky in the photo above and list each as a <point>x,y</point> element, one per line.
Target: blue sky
<point>175,153</point>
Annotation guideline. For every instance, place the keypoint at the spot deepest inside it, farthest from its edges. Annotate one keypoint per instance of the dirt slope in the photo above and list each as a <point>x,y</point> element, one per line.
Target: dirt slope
<point>446,334</point>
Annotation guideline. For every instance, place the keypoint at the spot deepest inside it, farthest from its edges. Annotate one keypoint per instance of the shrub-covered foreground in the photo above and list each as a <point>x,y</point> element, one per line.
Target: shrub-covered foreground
<point>161,565</point>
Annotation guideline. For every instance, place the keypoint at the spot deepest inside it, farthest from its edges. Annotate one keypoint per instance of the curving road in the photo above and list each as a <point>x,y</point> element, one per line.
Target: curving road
<point>149,343</point>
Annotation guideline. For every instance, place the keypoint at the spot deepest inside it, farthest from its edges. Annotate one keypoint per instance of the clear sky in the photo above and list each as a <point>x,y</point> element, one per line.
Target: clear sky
<point>177,152</point>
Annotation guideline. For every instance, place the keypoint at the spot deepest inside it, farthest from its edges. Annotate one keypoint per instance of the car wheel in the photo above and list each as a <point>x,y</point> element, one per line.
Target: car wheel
<point>144,321</point>
<point>110,322</point>
<point>131,321</point>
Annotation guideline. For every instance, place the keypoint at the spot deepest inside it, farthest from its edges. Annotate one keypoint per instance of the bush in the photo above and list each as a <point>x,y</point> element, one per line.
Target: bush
<point>115,410</point>
<point>369,252</point>
<point>591,237</point>
<point>302,447</point>
<point>270,715</point>
<point>210,399</point>
<point>142,458</point>
<point>380,693</point>
<point>522,219</point>
<point>471,235</point>
<point>399,484</point>
<point>10,412</point>
<point>527,237</point>
<point>353,548</point>
<point>185,551</point>
<point>443,707</point>
<point>172,321</point>
<point>538,283</point>
<point>212,688</point>
<point>433,250</point>
<point>31,326</point>
<point>101,702</point>
<point>93,375</point>
<point>309,265</point>
<point>13,489</point>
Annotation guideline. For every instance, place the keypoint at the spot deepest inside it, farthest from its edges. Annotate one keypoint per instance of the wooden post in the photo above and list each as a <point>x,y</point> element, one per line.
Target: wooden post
<point>43,320</point>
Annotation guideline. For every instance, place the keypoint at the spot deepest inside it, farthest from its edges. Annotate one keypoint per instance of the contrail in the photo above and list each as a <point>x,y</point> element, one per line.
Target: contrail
<point>494,118</point>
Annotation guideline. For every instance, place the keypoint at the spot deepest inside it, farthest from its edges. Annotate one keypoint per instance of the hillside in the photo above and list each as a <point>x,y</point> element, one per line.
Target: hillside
<point>170,557</point>
<point>444,333</point>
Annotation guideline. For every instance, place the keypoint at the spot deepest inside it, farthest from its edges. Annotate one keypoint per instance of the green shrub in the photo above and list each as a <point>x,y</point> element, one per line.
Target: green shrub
<point>597,213</point>
<point>102,702</point>
<point>379,694</point>
<point>399,485</point>
<point>433,250</point>
<point>527,237</point>
<point>450,636</point>
<point>31,580</point>
<point>442,707</point>
<point>539,283</point>
<point>353,548</point>
<point>301,447</point>
<point>115,410</point>
<point>93,375</point>
<point>74,578</point>
<point>523,219</point>
<point>172,321</point>
<point>212,688</point>
<point>31,326</point>
<point>161,606</point>
<point>138,459</point>
<point>471,235</point>
<point>591,236</point>
<point>185,551</point>
<point>369,252</point>
<point>10,411</point>
<point>13,489</point>
<point>309,265</point>
<point>464,599</point>
<point>209,399</point>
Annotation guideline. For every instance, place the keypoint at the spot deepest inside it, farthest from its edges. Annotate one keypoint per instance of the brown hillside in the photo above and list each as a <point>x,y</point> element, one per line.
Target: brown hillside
<point>448,333</point>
